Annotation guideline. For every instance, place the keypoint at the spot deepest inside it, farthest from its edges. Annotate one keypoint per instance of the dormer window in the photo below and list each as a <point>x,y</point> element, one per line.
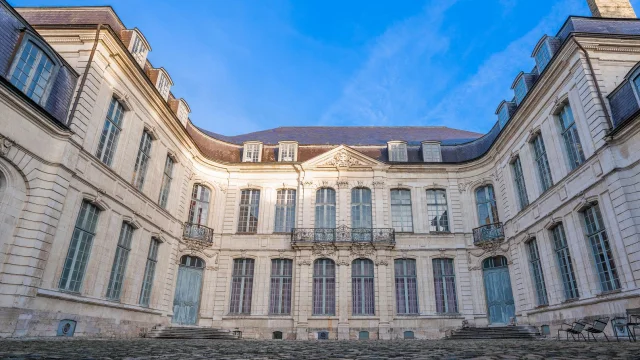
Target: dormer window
<point>431,151</point>
<point>139,46</point>
<point>252,152</point>
<point>520,87</point>
<point>163,85</point>
<point>287,151</point>
<point>32,72</point>
<point>543,52</point>
<point>397,151</point>
<point>504,112</point>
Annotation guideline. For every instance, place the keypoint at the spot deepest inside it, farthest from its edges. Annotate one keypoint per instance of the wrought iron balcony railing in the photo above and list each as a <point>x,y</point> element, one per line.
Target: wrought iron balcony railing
<point>343,234</point>
<point>198,232</point>
<point>488,233</point>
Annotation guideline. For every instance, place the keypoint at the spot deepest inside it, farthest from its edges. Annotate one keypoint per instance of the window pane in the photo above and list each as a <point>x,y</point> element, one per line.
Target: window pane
<point>445,286</point>
<point>167,177</point>
<point>32,72</point>
<point>362,281</point>
<point>149,272</point>
<point>437,211</point>
<point>601,250</point>
<point>142,160</point>
<point>536,273</point>
<point>564,263</point>
<point>570,136</point>
<point>324,287</point>
<point>325,208</point>
<point>285,210</point>
<point>110,132</point>
<point>241,286</point>
<point>401,212</point>
<point>486,203</point>
<point>542,163</point>
<point>361,217</point>
<point>119,266</point>
<point>406,286</point>
<point>281,282</point>
<point>518,178</point>
<point>249,206</point>
<point>79,249</point>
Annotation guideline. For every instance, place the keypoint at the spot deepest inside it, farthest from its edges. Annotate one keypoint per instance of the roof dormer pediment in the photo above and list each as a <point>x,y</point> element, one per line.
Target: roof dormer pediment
<point>342,157</point>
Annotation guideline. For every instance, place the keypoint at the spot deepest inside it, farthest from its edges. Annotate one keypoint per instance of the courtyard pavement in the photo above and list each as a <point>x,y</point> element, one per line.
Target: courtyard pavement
<point>307,350</point>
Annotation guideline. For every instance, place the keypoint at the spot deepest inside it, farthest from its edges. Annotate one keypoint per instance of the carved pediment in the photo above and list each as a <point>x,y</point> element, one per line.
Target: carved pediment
<point>342,157</point>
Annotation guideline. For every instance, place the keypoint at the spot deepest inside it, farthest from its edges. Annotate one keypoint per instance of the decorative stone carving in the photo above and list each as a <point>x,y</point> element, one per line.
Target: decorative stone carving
<point>281,254</point>
<point>381,261</point>
<point>342,184</point>
<point>343,262</point>
<point>307,183</point>
<point>362,250</point>
<point>304,262</point>
<point>378,184</point>
<point>323,250</point>
<point>462,187</point>
<point>5,145</point>
<point>343,159</point>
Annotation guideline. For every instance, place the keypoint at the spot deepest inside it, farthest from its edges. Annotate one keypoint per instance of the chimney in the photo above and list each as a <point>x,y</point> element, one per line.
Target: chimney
<point>612,9</point>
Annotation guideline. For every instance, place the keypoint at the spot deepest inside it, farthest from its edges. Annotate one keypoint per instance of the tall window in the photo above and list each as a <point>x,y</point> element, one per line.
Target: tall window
<point>486,203</point>
<point>199,208</point>
<point>142,160</point>
<point>444,279</point>
<point>32,72</point>
<point>241,286</point>
<point>397,152</point>
<point>326,208</point>
<point>281,281</point>
<point>437,211</point>
<point>542,163</point>
<point>518,179</point>
<point>110,132</point>
<point>285,210</point>
<point>362,287</point>
<point>602,254</point>
<point>401,214</point>
<point>149,272</point>
<point>249,206</point>
<point>406,286</point>
<point>361,214</point>
<point>114,289</point>
<point>570,136</point>
<point>536,273</point>
<point>167,176</point>
<point>565,264</point>
<point>84,232</point>
<point>324,287</point>
<point>251,152</point>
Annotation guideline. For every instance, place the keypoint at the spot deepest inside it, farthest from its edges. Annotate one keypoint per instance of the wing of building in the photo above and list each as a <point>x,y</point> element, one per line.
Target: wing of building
<point>118,214</point>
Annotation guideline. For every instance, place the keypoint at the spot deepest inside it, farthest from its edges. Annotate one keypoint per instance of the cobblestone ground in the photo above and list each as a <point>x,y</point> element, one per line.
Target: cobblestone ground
<point>307,350</point>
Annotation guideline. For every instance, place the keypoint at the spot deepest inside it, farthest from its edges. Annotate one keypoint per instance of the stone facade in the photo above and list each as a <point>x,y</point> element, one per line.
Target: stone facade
<point>50,168</point>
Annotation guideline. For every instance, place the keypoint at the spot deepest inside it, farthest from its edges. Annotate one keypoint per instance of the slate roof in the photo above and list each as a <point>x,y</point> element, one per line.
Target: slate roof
<point>352,135</point>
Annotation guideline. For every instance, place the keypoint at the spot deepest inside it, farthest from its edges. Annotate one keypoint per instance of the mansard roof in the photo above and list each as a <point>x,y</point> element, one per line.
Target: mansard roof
<point>352,135</point>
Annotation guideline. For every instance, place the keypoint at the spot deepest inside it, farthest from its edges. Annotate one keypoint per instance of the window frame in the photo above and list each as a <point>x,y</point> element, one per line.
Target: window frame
<point>120,260</point>
<point>105,151</point>
<point>363,289</point>
<point>324,288</point>
<point>438,206</point>
<point>403,284</point>
<point>198,203</point>
<point>519,183</point>
<point>601,248</point>
<point>491,203</point>
<point>537,273</point>
<point>143,159</point>
<point>281,289</point>
<point>248,226</point>
<point>149,272</point>
<point>43,48</point>
<point>249,149</point>
<point>565,262</point>
<point>431,152</point>
<point>541,160</point>
<point>361,207</point>
<point>394,214</point>
<point>447,281</point>
<point>285,147</point>
<point>574,148</point>
<point>285,212</point>
<point>167,179</point>
<point>245,280</point>
<point>397,151</point>
<point>328,208</point>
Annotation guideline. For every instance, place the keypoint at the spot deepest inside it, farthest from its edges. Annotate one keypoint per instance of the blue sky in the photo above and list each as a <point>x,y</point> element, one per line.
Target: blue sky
<point>250,65</point>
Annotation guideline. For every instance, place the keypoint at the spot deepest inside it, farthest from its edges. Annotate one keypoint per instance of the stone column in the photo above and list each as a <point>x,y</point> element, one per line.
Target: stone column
<point>343,295</point>
<point>302,309</point>
<point>385,287</point>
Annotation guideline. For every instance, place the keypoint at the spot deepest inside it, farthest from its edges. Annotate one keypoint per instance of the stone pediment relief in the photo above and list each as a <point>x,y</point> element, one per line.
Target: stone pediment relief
<point>342,157</point>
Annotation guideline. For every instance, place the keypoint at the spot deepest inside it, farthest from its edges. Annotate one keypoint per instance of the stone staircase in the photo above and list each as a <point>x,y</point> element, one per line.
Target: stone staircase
<point>191,332</point>
<point>524,332</point>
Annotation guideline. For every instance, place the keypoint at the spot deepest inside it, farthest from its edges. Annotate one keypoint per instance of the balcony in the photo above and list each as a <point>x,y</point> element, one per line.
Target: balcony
<point>490,233</point>
<point>343,235</point>
<point>197,232</point>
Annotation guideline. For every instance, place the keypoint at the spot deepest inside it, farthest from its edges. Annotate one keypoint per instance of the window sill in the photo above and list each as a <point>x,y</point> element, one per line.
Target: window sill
<point>77,297</point>
<point>323,317</point>
<point>246,233</point>
<point>610,292</point>
<point>542,306</point>
<point>440,233</point>
<point>569,301</point>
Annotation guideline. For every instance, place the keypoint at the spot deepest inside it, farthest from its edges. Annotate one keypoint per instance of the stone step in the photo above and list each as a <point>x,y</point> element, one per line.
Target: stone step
<point>502,332</point>
<point>180,332</point>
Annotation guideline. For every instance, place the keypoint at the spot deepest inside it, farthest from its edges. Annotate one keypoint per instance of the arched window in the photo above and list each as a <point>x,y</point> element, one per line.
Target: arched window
<point>444,279</point>
<point>362,287</point>
<point>324,287</point>
<point>199,208</point>
<point>494,262</point>
<point>32,72</point>
<point>361,221</point>
<point>486,203</point>
<point>192,261</point>
<point>281,281</point>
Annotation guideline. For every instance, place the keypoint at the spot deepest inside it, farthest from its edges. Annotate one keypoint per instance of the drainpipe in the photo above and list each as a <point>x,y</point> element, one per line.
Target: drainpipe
<point>595,82</point>
<point>84,75</point>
